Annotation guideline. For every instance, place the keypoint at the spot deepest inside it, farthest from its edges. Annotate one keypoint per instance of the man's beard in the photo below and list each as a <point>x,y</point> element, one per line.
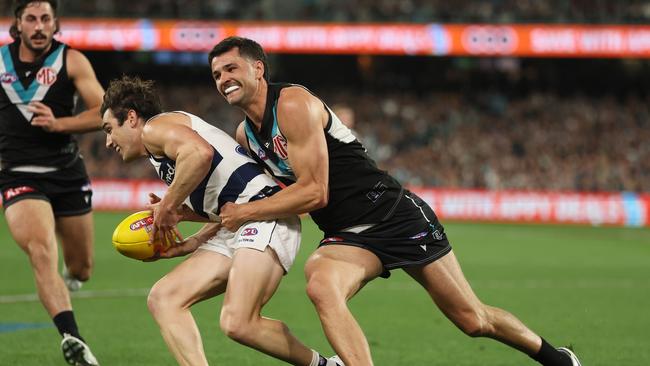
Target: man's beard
<point>37,49</point>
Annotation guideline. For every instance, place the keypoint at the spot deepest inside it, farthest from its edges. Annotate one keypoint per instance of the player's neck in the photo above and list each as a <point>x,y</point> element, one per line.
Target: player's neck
<point>27,55</point>
<point>255,110</point>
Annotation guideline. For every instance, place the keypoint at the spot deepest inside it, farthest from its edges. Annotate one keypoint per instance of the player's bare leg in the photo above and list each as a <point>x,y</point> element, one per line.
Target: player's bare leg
<point>31,223</point>
<point>253,279</point>
<point>201,276</point>
<point>447,286</point>
<point>76,236</point>
<point>335,273</point>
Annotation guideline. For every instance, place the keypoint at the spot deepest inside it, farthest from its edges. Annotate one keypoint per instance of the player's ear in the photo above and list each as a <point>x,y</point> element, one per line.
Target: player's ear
<point>259,69</point>
<point>132,118</point>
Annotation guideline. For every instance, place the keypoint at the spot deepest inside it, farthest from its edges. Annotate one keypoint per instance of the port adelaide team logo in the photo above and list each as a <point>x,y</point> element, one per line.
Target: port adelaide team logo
<point>280,147</point>
<point>46,76</point>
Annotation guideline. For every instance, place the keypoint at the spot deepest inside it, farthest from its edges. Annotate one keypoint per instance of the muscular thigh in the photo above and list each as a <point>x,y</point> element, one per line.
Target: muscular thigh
<point>201,276</point>
<point>346,268</point>
<point>30,220</point>
<point>253,279</point>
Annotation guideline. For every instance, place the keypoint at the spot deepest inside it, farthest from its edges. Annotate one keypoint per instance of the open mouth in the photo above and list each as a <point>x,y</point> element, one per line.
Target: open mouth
<point>230,89</point>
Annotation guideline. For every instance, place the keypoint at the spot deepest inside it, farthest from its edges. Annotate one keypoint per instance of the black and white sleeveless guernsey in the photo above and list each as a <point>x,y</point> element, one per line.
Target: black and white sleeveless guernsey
<point>359,192</point>
<point>23,147</point>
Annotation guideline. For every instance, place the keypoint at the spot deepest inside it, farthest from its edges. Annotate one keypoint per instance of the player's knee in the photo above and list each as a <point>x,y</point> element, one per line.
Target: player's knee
<point>81,270</point>
<point>159,300</point>
<point>236,326</point>
<point>322,291</point>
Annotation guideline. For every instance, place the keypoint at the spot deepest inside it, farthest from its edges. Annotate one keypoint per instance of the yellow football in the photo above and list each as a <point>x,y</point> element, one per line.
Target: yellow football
<point>131,236</point>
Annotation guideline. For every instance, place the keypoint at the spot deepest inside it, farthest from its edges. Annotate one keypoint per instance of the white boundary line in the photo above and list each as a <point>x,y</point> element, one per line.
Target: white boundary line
<point>91,294</point>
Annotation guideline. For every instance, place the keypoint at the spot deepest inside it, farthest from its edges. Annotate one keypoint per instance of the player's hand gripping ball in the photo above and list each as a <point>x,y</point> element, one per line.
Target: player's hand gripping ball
<point>131,237</point>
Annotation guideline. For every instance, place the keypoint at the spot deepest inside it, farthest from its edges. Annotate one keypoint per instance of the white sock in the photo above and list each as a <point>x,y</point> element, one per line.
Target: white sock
<point>315,357</point>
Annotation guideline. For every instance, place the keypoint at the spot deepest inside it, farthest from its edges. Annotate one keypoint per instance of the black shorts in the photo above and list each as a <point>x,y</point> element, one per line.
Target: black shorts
<point>412,236</point>
<point>68,190</point>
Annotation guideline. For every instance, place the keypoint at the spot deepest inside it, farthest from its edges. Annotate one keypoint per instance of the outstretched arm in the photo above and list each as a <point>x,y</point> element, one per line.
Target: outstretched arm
<point>301,118</point>
<point>85,81</point>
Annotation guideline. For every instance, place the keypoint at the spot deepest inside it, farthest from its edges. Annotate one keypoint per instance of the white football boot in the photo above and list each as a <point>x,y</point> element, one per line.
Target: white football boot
<point>76,352</point>
<point>572,356</point>
<point>71,283</point>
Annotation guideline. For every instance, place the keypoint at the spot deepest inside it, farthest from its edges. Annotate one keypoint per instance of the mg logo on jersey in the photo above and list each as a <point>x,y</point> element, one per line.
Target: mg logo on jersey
<point>280,147</point>
<point>46,76</point>
<point>8,78</point>
<point>17,191</point>
<point>249,231</point>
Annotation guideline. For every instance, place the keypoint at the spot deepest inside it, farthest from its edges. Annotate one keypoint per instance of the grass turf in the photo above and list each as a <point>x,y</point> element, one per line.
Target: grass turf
<point>585,286</point>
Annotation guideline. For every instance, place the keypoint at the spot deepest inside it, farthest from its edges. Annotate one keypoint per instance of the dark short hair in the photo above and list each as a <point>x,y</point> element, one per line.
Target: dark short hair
<point>19,7</point>
<point>247,48</point>
<point>129,93</point>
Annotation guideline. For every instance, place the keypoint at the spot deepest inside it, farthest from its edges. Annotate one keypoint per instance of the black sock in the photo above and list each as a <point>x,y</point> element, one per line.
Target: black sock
<point>322,361</point>
<point>549,356</point>
<point>65,323</point>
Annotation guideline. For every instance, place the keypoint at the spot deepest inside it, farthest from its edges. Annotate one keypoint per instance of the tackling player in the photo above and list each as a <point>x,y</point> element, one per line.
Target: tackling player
<point>371,223</point>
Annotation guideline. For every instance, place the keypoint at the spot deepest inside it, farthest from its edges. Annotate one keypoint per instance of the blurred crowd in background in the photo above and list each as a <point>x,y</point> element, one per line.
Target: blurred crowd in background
<point>553,11</point>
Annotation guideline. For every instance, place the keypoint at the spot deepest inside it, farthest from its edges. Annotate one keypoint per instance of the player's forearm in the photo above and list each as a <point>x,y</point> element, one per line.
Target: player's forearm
<point>189,215</point>
<point>89,120</point>
<point>207,231</point>
<point>296,199</point>
<point>191,168</point>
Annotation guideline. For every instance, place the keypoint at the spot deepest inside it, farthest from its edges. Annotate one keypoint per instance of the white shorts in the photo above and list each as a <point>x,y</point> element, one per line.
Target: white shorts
<point>282,235</point>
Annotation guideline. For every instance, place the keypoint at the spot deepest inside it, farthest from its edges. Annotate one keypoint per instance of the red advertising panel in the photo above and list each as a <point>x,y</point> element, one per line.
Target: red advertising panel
<point>619,209</point>
<point>339,38</point>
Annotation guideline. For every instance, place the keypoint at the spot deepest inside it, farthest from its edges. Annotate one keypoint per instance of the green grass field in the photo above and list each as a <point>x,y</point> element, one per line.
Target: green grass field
<point>585,286</point>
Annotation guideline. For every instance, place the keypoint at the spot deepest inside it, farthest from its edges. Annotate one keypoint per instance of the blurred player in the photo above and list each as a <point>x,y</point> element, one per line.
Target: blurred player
<point>371,223</point>
<point>45,189</point>
<point>205,168</point>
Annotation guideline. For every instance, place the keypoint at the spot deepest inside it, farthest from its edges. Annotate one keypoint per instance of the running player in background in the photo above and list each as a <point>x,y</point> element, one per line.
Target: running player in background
<point>45,189</point>
<point>205,168</point>
<point>371,223</point>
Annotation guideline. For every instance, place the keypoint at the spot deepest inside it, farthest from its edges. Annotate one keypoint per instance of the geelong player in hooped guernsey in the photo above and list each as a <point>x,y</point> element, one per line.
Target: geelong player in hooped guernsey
<point>205,170</point>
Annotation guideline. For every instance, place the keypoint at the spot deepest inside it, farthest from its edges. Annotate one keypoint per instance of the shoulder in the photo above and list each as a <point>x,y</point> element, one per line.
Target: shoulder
<point>295,97</point>
<point>77,63</point>
<point>167,120</point>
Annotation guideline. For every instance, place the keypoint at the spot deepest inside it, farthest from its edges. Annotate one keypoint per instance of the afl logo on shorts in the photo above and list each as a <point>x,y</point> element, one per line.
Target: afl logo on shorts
<point>280,147</point>
<point>249,231</point>
<point>8,78</point>
<point>46,76</point>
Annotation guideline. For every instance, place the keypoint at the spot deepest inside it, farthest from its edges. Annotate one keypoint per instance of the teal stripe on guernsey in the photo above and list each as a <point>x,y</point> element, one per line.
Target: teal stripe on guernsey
<point>281,164</point>
<point>27,95</point>
<point>249,133</point>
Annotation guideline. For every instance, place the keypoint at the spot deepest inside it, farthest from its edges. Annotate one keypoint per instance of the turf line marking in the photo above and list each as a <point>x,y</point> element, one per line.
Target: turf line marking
<point>90,294</point>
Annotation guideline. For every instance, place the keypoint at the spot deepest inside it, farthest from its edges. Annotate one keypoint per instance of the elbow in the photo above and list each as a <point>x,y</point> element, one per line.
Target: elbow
<point>321,197</point>
<point>206,155</point>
